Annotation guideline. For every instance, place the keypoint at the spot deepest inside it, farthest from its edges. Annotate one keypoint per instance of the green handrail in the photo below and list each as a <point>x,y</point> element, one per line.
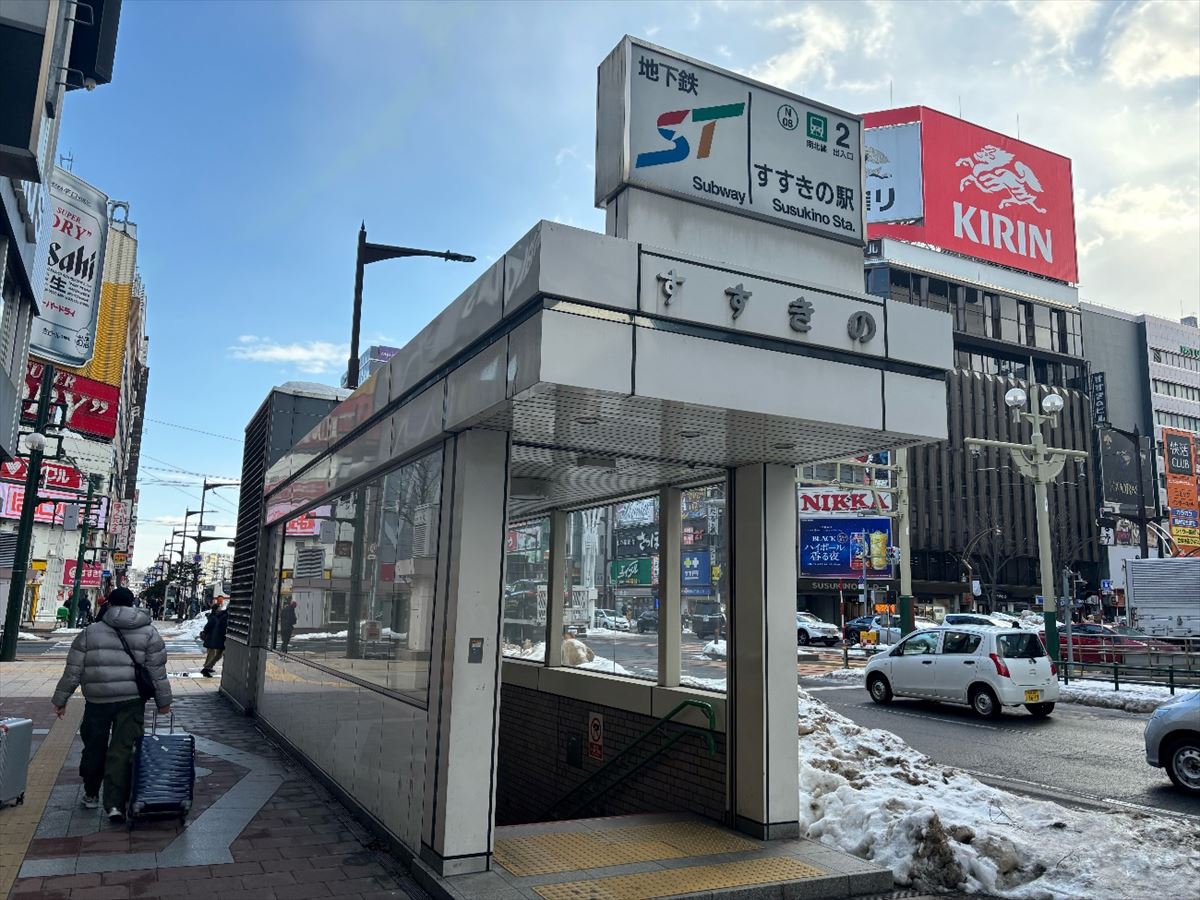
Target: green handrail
<point>557,811</point>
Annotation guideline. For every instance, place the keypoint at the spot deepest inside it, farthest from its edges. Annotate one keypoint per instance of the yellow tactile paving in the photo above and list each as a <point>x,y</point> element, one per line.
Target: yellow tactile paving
<point>542,854</point>
<point>686,880</point>
<point>18,823</point>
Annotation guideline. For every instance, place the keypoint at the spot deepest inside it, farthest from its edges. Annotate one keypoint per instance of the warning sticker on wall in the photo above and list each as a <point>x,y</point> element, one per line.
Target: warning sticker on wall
<point>595,736</point>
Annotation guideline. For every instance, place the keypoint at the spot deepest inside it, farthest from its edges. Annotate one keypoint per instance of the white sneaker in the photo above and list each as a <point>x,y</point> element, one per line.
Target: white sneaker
<point>115,815</point>
<point>91,802</point>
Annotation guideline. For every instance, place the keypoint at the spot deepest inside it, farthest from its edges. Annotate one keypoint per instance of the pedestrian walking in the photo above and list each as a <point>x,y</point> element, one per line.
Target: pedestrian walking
<point>85,611</point>
<point>120,662</point>
<point>287,623</point>
<point>213,635</point>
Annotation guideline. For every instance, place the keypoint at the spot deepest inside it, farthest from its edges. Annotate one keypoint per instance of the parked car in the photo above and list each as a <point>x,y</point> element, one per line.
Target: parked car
<point>707,619</point>
<point>648,621</point>
<point>1173,741</point>
<point>975,619</point>
<point>810,629</point>
<point>887,627</point>
<point>1096,643</point>
<point>608,618</point>
<point>985,667</point>
<point>855,628</point>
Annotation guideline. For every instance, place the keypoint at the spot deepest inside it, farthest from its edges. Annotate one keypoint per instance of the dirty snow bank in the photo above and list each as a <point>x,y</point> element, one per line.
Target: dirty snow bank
<point>1131,697</point>
<point>188,630</point>
<point>866,792</point>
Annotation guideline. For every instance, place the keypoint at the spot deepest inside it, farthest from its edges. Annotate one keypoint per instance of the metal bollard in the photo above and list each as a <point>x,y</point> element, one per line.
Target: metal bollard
<point>1116,678</point>
<point>1171,679</point>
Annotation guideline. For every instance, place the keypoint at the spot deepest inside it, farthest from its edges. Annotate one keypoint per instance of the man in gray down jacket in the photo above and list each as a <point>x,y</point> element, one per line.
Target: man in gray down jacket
<point>114,711</point>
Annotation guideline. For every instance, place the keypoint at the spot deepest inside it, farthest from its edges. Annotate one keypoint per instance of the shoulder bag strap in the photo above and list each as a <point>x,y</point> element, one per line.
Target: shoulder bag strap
<point>121,638</point>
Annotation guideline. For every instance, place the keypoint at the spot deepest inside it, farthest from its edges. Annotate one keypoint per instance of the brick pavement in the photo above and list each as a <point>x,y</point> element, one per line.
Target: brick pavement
<point>288,838</point>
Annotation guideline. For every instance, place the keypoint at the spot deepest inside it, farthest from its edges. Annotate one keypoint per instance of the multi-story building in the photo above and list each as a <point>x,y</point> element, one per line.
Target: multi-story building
<point>1147,370</point>
<point>47,50</point>
<point>369,360</point>
<point>981,227</point>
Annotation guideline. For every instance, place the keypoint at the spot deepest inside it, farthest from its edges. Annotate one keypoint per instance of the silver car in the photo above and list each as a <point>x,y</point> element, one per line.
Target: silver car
<point>1173,741</point>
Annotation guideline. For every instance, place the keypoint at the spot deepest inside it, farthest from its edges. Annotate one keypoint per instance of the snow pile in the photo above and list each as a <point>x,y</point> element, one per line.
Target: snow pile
<point>609,666</point>
<point>866,792</point>
<point>26,636</point>
<point>1131,697</point>
<point>516,651</point>
<point>715,649</point>
<point>189,630</point>
<point>704,684</point>
<point>853,676</point>
<point>318,636</point>
<point>66,631</point>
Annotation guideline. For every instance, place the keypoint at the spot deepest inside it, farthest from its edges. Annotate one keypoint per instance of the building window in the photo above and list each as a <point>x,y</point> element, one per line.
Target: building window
<point>1182,391</point>
<point>877,281</point>
<point>1177,420</point>
<point>358,575</point>
<point>526,570</point>
<point>901,286</point>
<point>1178,360</point>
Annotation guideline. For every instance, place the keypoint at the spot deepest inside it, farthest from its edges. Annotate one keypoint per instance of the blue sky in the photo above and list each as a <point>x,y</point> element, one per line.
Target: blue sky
<point>250,139</point>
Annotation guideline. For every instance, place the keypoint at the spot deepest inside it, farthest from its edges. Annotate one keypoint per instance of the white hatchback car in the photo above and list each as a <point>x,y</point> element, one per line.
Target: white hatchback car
<point>988,668</point>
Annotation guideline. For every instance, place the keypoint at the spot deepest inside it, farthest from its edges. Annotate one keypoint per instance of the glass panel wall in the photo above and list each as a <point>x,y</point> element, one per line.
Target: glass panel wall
<point>527,569</point>
<point>356,580</point>
<point>704,588</point>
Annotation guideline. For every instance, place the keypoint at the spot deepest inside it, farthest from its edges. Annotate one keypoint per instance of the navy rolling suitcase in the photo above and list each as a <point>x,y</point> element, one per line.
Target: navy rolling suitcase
<point>164,770</point>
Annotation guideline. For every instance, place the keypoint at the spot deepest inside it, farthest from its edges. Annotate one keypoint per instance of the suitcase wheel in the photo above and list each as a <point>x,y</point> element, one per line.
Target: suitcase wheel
<point>21,799</point>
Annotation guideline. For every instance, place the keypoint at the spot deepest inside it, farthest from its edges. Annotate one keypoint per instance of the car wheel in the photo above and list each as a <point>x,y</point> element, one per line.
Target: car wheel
<point>1039,710</point>
<point>984,702</point>
<point>831,642</point>
<point>853,637</point>
<point>802,638</point>
<point>1183,764</point>
<point>880,690</point>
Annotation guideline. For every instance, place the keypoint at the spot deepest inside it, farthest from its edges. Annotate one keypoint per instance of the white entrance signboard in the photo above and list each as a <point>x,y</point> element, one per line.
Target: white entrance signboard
<point>677,126</point>
<point>65,329</point>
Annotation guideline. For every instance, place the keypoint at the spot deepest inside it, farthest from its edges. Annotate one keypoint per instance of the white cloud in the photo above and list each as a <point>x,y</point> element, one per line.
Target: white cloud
<point>247,338</point>
<point>1157,45</point>
<point>818,38</point>
<point>312,357</point>
<point>1057,24</point>
<point>1143,213</point>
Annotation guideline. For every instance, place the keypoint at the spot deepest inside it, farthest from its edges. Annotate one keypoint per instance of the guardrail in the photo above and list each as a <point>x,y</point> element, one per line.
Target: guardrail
<point>1154,676</point>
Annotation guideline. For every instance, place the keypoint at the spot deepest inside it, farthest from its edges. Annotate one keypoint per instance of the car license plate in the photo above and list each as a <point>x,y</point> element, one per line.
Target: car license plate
<point>1033,696</point>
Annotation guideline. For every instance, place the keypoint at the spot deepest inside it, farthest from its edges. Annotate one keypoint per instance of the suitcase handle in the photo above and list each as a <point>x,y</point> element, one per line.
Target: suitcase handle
<point>154,724</point>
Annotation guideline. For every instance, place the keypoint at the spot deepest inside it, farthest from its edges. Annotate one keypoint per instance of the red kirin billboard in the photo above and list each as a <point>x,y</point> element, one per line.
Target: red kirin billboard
<point>984,194</point>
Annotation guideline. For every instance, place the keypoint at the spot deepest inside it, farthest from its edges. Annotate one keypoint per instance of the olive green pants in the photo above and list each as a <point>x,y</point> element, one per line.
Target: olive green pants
<point>109,732</point>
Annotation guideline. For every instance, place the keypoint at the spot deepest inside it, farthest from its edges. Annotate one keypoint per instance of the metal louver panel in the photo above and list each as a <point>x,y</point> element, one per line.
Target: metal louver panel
<point>8,549</point>
<point>310,562</point>
<point>249,523</point>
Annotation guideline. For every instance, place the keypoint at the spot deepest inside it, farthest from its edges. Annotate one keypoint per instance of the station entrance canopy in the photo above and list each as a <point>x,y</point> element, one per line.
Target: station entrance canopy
<point>717,330</point>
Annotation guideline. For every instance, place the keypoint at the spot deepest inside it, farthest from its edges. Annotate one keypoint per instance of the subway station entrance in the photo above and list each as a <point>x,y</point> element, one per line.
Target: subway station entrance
<point>539,571</point>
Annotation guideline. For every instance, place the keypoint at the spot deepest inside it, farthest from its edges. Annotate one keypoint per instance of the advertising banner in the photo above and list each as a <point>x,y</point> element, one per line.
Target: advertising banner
<point>65,329</point>
<point>681,127</point>
<point>988,196</point>
<point>307,524</point>
<point>55,476</point>
<point>830,547</point>
<point>639,540</point>
<point>1118,474</point>
<point>12,497</point>
<point>893,157</point>
<point>1099,399</point>
<point>1179,451</point>
<point>832,501</point>
<point>90,407</point>
<point>695,568</point>
<point>526,537</point>
<point>90,577</point>
<point>640,571</point>
<point>636,512</point>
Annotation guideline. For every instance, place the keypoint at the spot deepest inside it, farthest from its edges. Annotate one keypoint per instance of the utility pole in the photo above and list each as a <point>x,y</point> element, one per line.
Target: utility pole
<point>93,484</point>
<point>908,622</point>
<point>1041,464</point>
<point>33,478</point>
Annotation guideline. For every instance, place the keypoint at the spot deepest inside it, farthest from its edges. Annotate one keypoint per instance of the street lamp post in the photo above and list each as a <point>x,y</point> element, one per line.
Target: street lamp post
<point>369,253</point>
<point>208,486</point>
<point>36,442</point>
<point>1041,464</point>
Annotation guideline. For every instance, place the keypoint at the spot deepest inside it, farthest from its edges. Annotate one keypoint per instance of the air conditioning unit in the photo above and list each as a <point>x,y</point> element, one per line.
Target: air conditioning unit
<point>425,531</point>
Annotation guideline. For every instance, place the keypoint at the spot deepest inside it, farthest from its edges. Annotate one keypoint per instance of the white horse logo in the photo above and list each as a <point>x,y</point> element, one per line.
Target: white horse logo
<point>990,172</point>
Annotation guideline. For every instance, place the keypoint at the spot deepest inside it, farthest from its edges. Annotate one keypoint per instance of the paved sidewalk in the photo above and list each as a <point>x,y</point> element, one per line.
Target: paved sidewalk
<point>261,826</point>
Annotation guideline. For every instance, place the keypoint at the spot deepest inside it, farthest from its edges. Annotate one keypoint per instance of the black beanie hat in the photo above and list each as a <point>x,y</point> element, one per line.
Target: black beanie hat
<point>121,597</point>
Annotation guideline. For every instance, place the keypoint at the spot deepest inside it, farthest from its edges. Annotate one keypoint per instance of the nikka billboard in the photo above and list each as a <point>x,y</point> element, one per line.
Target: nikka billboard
<point>983,194</point>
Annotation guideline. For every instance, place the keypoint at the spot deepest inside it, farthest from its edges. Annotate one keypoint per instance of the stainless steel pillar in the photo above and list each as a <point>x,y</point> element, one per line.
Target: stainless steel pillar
<point>764,771</point>
<point>464,698</point>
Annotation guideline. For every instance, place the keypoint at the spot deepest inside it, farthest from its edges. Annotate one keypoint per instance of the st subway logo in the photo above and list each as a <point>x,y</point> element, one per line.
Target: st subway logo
<point>707,114</point>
